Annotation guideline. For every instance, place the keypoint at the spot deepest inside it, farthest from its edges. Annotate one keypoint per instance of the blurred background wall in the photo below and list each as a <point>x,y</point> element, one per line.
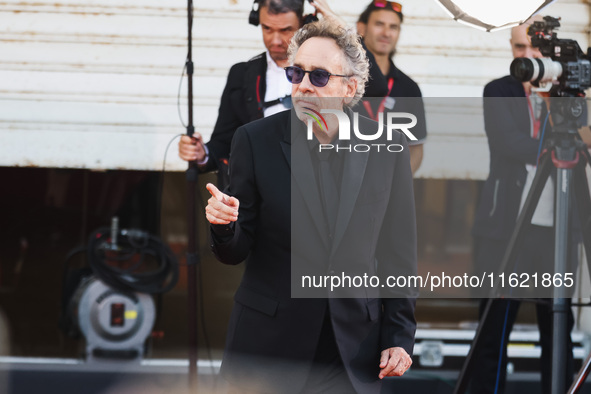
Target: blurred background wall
<point>95,84</point>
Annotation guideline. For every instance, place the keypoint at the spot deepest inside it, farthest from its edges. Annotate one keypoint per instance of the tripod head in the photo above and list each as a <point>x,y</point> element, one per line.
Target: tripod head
<point>568,113</point>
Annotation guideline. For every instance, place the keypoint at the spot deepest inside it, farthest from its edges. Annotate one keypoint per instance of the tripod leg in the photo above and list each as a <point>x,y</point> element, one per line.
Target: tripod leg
<point>525,217</point>
<point>468,366</point>
<point>581,187</point>
<point>581,376</point>
<point>559,304</point>
<point>559,347</point>
<point>523,220</point>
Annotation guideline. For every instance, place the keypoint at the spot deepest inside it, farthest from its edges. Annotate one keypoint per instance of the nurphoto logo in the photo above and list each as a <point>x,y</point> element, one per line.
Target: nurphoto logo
<point>401,121</point>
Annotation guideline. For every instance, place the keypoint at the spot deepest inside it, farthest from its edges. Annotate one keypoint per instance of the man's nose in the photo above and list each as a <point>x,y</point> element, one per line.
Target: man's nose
<point>532,52</point>
<point>276,38</point>
<point>306,84</point>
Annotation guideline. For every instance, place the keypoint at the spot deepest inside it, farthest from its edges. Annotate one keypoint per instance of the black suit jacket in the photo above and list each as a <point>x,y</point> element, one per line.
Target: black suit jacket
<point>273,337</point>
<point>242,102</point>
<point>507,126</point>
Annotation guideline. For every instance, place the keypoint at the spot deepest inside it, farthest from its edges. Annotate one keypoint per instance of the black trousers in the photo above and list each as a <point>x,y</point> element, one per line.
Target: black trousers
<point>490,364</point>
<point>328,374</point>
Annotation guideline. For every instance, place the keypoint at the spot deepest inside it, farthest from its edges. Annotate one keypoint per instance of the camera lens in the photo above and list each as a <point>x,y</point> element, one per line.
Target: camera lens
<point>535,70</point>
<point>522,69</point>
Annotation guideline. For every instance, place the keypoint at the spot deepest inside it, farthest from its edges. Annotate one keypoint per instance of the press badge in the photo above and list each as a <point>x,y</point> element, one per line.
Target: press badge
<point>389,102</point>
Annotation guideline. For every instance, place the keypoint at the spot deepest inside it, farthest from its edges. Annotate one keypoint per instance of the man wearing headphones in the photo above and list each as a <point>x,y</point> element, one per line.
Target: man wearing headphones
<point>254,89</point>
<point>258,88</point>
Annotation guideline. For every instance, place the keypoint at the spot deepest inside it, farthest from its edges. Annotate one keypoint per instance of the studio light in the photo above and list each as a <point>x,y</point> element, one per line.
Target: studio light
<point>492,15</point>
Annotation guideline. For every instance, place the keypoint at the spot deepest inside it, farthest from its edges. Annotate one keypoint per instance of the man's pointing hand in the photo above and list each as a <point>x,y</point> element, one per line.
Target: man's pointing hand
<point>221,208</point>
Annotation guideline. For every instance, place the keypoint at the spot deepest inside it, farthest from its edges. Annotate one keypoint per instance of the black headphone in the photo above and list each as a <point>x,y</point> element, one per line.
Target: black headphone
<point>253,17</point>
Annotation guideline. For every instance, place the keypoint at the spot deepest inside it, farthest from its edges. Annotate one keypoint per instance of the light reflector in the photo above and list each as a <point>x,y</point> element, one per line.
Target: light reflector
<point>492,15</point>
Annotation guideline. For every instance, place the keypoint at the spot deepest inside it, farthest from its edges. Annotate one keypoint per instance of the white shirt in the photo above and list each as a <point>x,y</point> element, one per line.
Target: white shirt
<point>277,86</point>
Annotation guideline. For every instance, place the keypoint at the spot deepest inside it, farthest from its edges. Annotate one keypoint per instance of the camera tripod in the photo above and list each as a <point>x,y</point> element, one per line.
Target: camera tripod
<point>565,152</point>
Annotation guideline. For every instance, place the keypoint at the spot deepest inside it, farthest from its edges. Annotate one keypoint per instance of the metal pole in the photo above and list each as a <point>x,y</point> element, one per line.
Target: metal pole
<point>192,252</point>
<point>559,304</point>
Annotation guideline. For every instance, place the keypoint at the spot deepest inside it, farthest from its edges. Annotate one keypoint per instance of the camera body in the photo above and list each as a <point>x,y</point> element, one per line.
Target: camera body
<point>566,66</point>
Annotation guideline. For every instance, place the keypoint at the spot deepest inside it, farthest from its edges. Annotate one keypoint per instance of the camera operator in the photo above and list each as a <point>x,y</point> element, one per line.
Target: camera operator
<point>513,128</point>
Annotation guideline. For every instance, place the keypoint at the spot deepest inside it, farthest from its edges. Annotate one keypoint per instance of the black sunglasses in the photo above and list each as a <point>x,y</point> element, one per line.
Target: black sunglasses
<point>318,77</point>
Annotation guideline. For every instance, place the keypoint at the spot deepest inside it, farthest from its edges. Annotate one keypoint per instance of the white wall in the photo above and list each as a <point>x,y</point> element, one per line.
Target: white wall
<point>93,84</point>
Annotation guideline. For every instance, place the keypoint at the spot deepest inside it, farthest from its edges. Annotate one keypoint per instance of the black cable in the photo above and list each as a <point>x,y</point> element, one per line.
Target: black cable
<point>161,186</point>
<point>178,97</point>
<point>161,179</point>
<point>135,249</point>
<point>66,270</point>
<point>159,192</point>
<point>65,321</point>
<point>203,326</point>
<point>201,202</point>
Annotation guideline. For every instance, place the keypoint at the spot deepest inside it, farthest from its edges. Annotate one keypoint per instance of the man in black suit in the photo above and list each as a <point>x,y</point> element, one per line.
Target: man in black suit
<point>254,89</point>
<point>278,214</point>
<point>513,126</point>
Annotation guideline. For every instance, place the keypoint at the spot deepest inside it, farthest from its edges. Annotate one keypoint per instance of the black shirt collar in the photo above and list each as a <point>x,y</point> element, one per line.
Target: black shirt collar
<point>394,72</point>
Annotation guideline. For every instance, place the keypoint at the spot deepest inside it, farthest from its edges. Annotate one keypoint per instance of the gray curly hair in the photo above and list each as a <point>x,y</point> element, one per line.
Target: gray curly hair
<point>347,40</point>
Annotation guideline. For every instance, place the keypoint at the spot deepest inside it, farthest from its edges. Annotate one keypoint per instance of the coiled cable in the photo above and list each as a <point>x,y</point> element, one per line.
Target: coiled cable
<point>136,261</point>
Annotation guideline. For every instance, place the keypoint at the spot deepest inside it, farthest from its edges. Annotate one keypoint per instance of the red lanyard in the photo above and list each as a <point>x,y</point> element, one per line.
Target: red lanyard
<point>535,122</point>
<point>367,105</point>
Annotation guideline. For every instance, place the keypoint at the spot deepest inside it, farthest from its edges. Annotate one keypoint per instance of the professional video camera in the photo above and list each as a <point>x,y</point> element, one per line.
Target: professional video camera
<point>566,67</point>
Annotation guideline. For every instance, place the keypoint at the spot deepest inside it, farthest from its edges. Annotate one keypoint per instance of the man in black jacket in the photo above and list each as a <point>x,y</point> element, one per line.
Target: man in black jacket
<point>254,89</point>
<point>277,214</point>
<point>379,25</point>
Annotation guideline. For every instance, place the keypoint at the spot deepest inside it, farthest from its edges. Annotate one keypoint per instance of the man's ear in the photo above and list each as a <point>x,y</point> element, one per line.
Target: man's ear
<point>361,27</point>
<point>351,87</point>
